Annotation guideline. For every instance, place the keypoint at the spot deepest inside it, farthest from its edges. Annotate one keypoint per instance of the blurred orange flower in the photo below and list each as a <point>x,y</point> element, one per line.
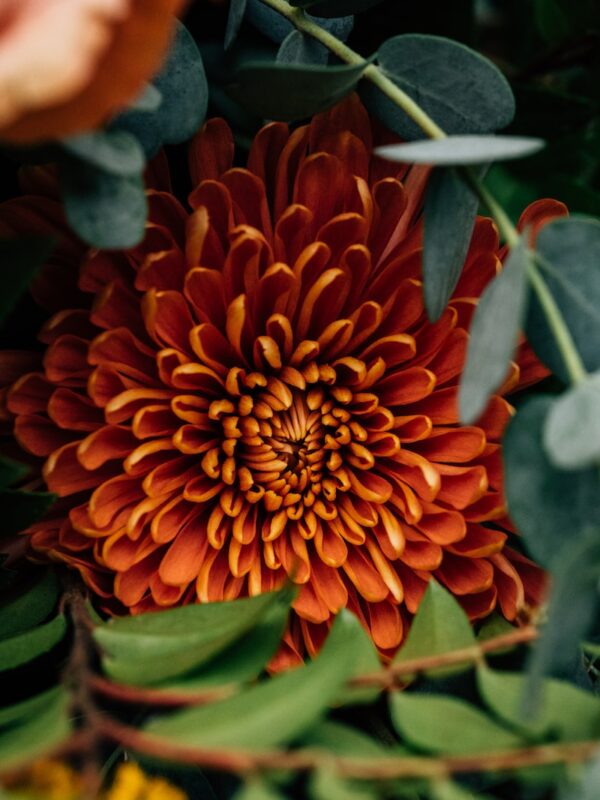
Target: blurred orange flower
<point>67,65</point>
<point>255,394</point>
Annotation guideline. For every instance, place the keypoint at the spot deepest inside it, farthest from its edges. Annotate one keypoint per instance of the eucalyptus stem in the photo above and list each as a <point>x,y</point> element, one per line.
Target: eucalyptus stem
<point>509,233</point>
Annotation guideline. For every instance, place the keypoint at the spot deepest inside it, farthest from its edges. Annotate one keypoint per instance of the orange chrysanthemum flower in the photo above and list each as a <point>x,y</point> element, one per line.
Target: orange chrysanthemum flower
<point>254,394</point>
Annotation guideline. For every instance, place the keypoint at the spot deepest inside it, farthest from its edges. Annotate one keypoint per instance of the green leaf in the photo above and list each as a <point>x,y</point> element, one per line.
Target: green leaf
<point>585,786</point>
<point>440,626</point>
<point>148,100</point>
<point>20,260</point>
<point>569,259</point>
<point>335,8</point>
<point>448,790</point>
<point>241,662</point>
<point>24,647</point>
<point>116,152</point>
<point>11,472</point>
<point>276,711</point>
<point>297,48</point>
<point>106,211</point>
<point>29,605</point>
<point>342,740</point>
<point>494,334</point>
<point>20,712</point>
<point>237,9</point>
<point>551,508</point>
<point>37,735</point>
<point>177,640</point>
<point>20,509</point>
<point>264,88</point>
<point>450,211</point>
<point>441,724</point>
<point>457,150</point>
<point>572,430</point>
<point>459,89</point>
<point>326,784</point>
<point>567,712</point>
<point>276,28</point>
<point>184,89</point>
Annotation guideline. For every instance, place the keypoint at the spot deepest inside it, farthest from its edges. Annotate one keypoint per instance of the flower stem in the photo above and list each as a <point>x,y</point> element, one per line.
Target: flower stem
<point>564,340</point>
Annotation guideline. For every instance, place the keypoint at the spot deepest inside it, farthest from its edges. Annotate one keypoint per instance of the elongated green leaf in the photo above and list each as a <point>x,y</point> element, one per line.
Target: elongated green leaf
<point>21,744</point>
<point>107,211</point>
<point>20,712</point>
<point>116,152</point>
<point>244,660</point>
<point>366,661</point>
<point>335,8</point>
<point>184,89</point>
<point>459,89</point>
<point>448,790</point>
<point>551,508</point>
<point>276,711</point>
<point>584,786</point>
<point>569,259</point>
<point>28,604</point>
<point>297,48</point>
<point>20,509</point>
<point>20,259</point>
<point>440,724</point>
<point>264,88</point>
<point>178,640</point>
<point>258,789</point>
<point>450,211</point>
<point>440,626</point>
<point>457,150</point>
<point>494,334</point>
<point>11,472</point>
<point>326,784</point>
<point>237,9</point>
<point>567,712</point>
<point>24,647</point>
<point>342,740</point>
<point>572,431</point>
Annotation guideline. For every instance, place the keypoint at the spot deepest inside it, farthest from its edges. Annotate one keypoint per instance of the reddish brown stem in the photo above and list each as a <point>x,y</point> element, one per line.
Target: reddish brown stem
<point>169,698</point>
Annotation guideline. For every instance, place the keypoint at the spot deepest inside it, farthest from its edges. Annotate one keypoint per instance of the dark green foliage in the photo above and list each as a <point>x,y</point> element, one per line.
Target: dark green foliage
<point>20,259</point>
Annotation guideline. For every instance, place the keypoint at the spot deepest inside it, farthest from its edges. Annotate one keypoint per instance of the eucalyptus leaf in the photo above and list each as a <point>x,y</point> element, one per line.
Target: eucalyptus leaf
<point>106,211</point>
<point>440,626</point>
<point>462,150</point>
<point>572,431</point>
<point>21,508</point>
<point>494,334</point>
<point>264,88</point>
<point>551,508</point>
<point>184,89</point>
<point>443,724</point>
<point>276,27</point>
<point>298,48</point>
<point>20,260</point>
<point>28,605</point>
<point>116,152</point>
<point>25,647</point>
<point>148,100</point>
<point>458,88</point>
<point>177,640</point>
<point>274,712</point>
<point>450,212</point>
<point>237,9</point>
<point>37,735</point>
<point>566,712</point>
<point>335,8</point>
<point>568,255</point>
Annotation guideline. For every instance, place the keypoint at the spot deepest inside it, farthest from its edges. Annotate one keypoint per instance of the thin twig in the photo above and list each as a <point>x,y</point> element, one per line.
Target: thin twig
<point>169,698</point>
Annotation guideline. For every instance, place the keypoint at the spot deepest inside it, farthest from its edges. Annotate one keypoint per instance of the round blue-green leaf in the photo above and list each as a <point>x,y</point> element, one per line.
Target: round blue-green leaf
<point>106,211</point>
<point>116,152</point>
<point>298,48</point>
<point>335,8</point>
<point>237,9</point>
<point>458,88</point>
<point>276,28</point>
<point>551,508</point>
<point>569,260</point>
<point>293,91</point>
<point>465,149</point>
<point>572,432</point>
